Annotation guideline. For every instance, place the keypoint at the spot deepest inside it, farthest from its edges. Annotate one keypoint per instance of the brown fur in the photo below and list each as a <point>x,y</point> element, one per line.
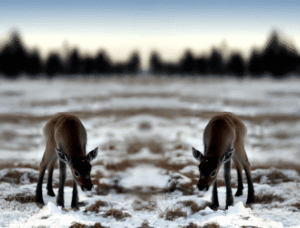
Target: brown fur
<point>224,133</point>
<point>65,134</point>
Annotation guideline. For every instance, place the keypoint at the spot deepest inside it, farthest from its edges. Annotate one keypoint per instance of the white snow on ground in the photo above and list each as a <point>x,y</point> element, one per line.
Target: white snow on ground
<point>151,124</point>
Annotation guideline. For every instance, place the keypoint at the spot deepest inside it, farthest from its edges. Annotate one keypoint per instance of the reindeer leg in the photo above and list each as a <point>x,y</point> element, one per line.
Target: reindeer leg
<point>39,191</point>
<point>214,199</point>
<point>74,203</point>
<point>227,177</point>
<point>43,166</point>
<point>239,169</point>
<point>62,179</point>
<point>250,198</point>
<point>50,174</point>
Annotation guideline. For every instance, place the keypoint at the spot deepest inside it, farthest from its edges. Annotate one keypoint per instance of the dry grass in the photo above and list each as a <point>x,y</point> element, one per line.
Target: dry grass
<point>297,205</point>
<point>283,93</point>
<point>161,112</point>
<point>242,103</point>
<point>146,194</point>
<point>96,225</point>
<point>48,103</point>
<point>22,198</point>
<point>18,165</point>
<point>95,207</point>
<point>14,177</point>
<point>207,225</point>
<point>103,189</point>
<point>145,126</point>
<point>187,189</point>
<point>250,227</point>
<point>11,93</point>
<point>155,145</point>
<point>181,146</point>
<point>120,166</point>
<point>267,198</point>
<point>283,135</point>
<point>22,118</point>
<point>110,145</point>
<point>279,165</point>
<point>145,224</point>
<point>172,214</point>
<point>134,147</point>
<point>98,175</point>
<point>8,135</point>
<point>194,206</point>
<point>221,183</point>
<point>68,183</point>
<point>143,194</point>
<point>273,118</point>
<point>263,146</point>
<point>138,205</point>
<point>117,214</point>
<point>171,167</point>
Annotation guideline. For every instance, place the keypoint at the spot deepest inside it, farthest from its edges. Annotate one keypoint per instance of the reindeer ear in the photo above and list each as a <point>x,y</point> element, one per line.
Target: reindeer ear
<point>63,157</point>
<point>227,156</point>
<point>197,154</point>
<point>93,154</point>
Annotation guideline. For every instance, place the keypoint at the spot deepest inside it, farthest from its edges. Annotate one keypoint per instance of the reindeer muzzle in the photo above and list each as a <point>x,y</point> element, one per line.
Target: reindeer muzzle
<point>202,187</point>
<point>87,187</point>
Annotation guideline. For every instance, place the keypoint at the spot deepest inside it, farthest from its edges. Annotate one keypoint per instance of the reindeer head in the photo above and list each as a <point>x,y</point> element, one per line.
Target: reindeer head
<point>209,167</point>
<point>80,167</point>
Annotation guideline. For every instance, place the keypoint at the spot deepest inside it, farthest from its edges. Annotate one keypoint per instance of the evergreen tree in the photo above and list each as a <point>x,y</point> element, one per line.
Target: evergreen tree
<point>216,64</point>
<point>74,63</point>
<point>54,65</point>
<point>133,65</point>
<point>187,64</point>
<point>156,65</point>
<point>102,63</point>
<point>256,64</point>
<point>202,66</point>
<point>34,65</point>
<point>236,65</point>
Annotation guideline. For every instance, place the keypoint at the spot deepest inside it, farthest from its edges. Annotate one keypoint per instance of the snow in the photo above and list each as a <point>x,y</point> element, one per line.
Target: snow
<point>162,119</point>
<point>144,176</point>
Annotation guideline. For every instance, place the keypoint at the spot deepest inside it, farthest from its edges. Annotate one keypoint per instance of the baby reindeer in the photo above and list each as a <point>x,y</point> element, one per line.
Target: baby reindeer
<point>224,139</point>
<point>66,140</point>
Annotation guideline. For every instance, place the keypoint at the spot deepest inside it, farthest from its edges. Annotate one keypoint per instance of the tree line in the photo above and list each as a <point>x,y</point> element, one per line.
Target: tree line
<point>276,58</point>
<point>16,60</point>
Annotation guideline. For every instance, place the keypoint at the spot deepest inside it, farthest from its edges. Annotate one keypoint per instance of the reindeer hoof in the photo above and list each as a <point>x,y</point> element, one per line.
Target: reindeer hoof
<point>239,193</point>
<point>50,193</point>
<point>250,200</point>
<point>60,203</point>
<point>39,200</point>
<point>214,207</point>
<point>75,208</point>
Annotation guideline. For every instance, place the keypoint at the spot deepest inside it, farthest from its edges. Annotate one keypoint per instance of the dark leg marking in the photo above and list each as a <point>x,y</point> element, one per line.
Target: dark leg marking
<point>214,199</point>
<point>39,191</point>
<point>227,177</point>
<point>62,179</point>
<point>50,175</point>
<point>250,198</point>
<point>74,203</point>
<point>239,191</point>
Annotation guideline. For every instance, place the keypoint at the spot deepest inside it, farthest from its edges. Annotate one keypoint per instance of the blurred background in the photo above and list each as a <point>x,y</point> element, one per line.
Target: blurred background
<point>191,38</point>
<point>146,77</point>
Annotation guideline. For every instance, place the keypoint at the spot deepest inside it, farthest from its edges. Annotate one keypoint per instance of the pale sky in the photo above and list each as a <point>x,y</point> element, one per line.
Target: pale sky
<point>170,27</point>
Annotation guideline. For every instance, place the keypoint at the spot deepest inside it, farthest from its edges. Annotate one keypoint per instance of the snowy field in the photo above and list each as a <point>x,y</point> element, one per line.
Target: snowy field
<point>145,174</point>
